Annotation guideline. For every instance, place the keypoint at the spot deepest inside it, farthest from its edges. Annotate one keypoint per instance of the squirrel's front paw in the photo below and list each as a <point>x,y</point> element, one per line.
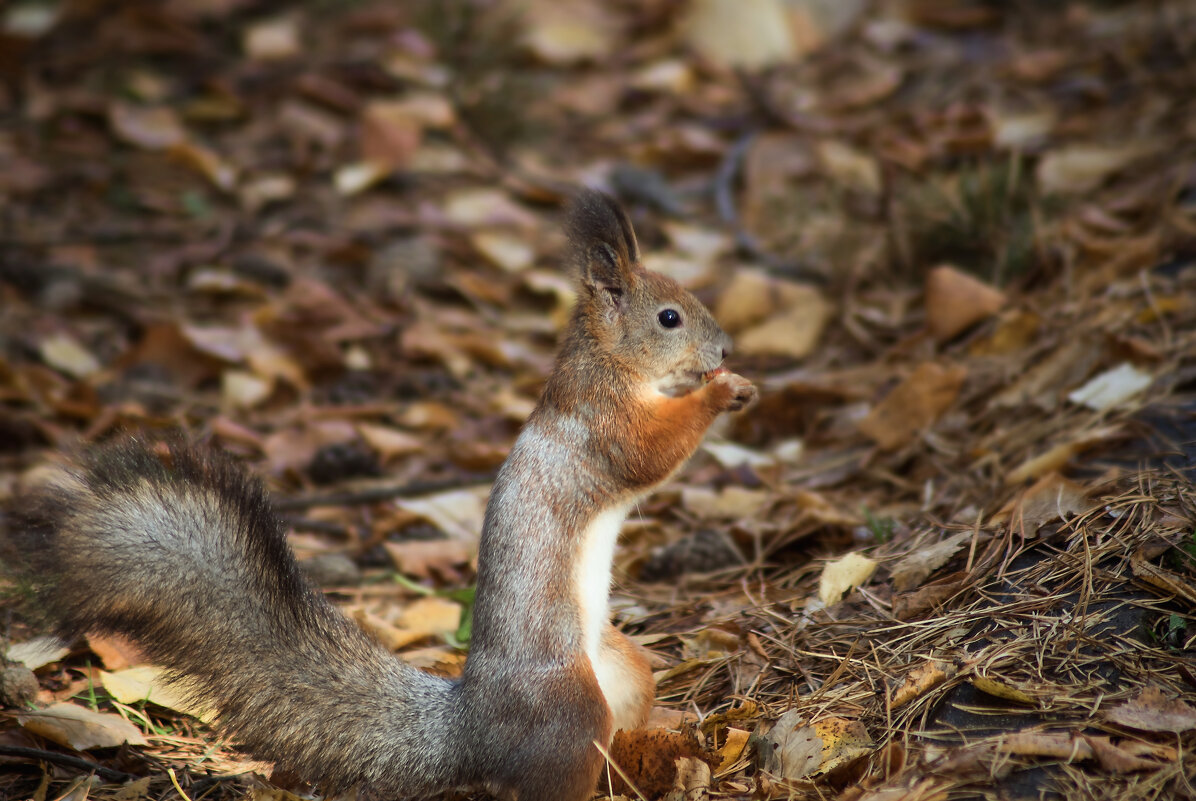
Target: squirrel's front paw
<point>732,392</point>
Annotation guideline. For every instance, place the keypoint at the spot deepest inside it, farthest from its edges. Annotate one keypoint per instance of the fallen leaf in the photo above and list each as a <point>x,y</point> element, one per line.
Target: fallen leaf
<point>649,758</point>
<point>1057,456</point>
<point>458,513</point>
<point>353,179</point>
<point>1162,578</point>
<point>955,301</point>
<point>146,127</point>
<point>390,135</point>
<point>843,575</point>
<point>1080,168</point>
<point>732,455</point>
<point>791,749</point>
<point>426,559</point>
<point>272,40</point>
<point>563,32</point>
<point>64,353</point>
<point>1000,689</point>
<point>921,680</point>
<point>504,249</point>
<point>731,751</point>
<point>793,334</point>
<point>734,34</point>
<point>208,163</point>
<point>1056,745</point>
<point>431,616</point>
<point>848,166</point>
<point>244,390</point>
<point>913,405</point>
<point>37,652</point>
<point>1115,759</point>
<point>147,683</point>
<point>916,567</point>
<point>80,728</point>
<point>389,442</point>
<point>1112,388</point>
<point>843,740</point>
<point>733,502</point>
<point>1052,497</point>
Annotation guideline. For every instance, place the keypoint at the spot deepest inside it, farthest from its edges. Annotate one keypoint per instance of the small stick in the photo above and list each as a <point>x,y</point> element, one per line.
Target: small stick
<point>67,761</point>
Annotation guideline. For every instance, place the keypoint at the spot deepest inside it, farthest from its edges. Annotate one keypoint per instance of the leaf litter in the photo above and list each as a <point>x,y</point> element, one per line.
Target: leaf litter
<point>953,242</point>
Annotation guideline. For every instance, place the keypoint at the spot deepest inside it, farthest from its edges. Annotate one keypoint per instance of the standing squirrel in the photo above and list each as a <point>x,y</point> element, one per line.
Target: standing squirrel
<point>189,561</point>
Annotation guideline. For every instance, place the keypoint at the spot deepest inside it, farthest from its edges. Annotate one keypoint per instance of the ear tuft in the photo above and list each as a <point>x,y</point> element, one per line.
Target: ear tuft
<point>604,250</point>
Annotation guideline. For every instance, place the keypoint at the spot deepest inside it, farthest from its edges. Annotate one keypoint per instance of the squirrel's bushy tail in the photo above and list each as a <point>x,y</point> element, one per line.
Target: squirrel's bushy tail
<point>187,559</point>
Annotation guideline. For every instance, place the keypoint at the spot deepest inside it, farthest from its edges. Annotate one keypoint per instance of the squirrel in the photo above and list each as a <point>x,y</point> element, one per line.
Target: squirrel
<point>184,556</point>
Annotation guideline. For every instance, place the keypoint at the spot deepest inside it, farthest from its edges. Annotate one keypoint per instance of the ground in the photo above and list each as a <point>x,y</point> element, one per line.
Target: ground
<point>950,553</point>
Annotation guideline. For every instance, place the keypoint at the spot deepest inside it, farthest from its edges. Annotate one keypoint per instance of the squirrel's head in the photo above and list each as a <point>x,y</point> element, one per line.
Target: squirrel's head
<point>647,321</point>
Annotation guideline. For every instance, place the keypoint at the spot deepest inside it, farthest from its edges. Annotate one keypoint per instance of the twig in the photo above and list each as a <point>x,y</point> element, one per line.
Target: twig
<point>724,202</point>
<point>386,493</point>
<point>68,761</point>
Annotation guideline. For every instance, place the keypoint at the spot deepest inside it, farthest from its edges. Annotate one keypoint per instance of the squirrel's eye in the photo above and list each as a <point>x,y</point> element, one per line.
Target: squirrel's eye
<point>669,318</point>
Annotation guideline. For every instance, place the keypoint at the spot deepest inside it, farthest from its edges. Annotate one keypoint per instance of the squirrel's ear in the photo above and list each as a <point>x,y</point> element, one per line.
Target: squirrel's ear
<point>603,245</point>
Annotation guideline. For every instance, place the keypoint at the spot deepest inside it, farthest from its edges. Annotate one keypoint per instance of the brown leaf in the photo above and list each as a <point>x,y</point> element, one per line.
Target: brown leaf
<point>1115,759</point>
<point>913,405</point>
<point>146,127</point>
<point>80,728</point>
<point>791,749</point>
<point>1052,497</point>
<point>843,575</point>
<point>921,680</point>
<point>916,567</point>
<point>955,301</point>
<point>649,758</point>
<point>1162,578</point>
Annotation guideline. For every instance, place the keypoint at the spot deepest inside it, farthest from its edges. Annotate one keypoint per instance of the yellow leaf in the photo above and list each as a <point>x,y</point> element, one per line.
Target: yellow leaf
<point>843,575</point>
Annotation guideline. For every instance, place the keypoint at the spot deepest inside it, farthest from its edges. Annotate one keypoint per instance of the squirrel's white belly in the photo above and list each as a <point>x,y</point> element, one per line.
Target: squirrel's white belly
<point>592,577</point>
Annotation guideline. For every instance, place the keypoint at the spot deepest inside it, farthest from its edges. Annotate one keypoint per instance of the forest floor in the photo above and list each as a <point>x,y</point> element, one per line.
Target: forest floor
<point>950,553</point>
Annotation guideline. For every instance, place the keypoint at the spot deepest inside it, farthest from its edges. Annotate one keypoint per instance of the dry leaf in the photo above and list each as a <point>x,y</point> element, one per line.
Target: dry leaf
<point>852,168</point>
<point>352,179</point>
<point>1115,759</point>
<point>1052,497</point>
<point>921,680</point>
<point>1057,745</point>
<point>1163,579</point>
<point>146,127</point>
<point>389,442</point>
<point>649,757</point>
<point>457,513</point>
<point>504,249</point>
<point>563,32</point>
<point>80,728</point>
<point>955,301</point>
<point>1112,387</point>
<point>732,33</point>
<point>431,615</point>
<point>148,683</point>
<point>734,502</point>
<point>1076,169</point>
<point>37,652</point>
<point>843,741</point>
<point>390,135</point>
<point>913,405</point>
<point>273,40</point>
<point>1000,689</point>
<point>916,567</point>
<point>791,749</point>
<point>63,352</point>
<point>843,575</point>
<point>732,748</point>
